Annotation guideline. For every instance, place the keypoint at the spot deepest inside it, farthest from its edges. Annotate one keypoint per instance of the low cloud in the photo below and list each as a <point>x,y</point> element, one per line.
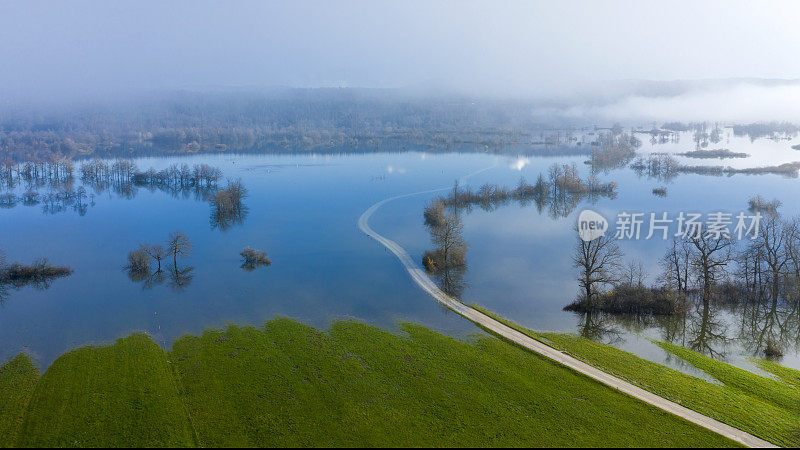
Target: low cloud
<point>739,103</point>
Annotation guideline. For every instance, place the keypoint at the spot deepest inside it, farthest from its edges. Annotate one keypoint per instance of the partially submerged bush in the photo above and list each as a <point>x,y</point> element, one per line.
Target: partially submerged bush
<point>759,204</point>
<point>229,199</point>
<point>614,149</point>
<point>253,258</point>
<point>434,214</point>
<point>227,206</point>
<point>660,191</point>
<point>139,260</point>
<point>429,262</point>
<point>629,299</point>
<point>40,272</point>
<point>437,260</point>
<point>772,350</point>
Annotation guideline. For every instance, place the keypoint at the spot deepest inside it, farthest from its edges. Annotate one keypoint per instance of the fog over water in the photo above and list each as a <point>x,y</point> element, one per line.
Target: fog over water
<point>572,50</point>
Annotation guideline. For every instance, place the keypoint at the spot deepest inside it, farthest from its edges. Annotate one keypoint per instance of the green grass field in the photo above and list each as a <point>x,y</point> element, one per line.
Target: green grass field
<point>120,395</point>
<point>290,384</point>
<point>766,408</point>
<point>17,379</point>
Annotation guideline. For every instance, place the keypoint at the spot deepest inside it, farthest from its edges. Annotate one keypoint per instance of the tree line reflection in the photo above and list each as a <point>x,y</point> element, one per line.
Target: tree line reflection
<point>25,182</point>
<point>559,193</point>
<point>711,327</point>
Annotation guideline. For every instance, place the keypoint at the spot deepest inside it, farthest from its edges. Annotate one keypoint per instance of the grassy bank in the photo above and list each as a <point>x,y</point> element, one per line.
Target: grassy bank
<point>290,384</point>
<point>17,379</point>
<point>766,408</point>
<point>120,395</point>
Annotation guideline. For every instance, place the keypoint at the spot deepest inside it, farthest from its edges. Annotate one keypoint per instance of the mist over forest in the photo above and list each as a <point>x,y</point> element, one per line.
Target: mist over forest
<point>264,120</point>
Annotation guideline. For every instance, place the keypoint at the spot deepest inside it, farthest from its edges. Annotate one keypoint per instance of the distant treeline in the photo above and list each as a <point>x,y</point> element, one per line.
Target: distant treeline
<point>704,133</point>
<point>296,119</point>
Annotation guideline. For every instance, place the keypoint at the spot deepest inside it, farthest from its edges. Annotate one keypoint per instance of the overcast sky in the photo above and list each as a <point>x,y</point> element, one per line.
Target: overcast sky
<point>76,47</point>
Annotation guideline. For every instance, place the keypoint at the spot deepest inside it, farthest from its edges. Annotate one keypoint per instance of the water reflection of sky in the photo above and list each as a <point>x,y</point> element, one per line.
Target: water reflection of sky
<point>303,211</point>
<point>762,151</point>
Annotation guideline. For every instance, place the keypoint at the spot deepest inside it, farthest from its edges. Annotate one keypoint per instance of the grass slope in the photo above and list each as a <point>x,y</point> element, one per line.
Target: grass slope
<point>289,384</point>
<point>785,374</point>
<point>765,408</point>
<point>122,395</point>
<point>17,379</point>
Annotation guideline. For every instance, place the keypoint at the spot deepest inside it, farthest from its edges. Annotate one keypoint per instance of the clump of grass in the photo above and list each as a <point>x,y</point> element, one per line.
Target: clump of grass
<point>252,259</point>
<point>660,192</point>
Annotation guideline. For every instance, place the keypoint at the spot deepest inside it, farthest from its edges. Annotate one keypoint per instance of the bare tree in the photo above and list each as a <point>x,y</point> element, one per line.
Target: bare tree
<point>793,249</point>
<point>447,262</point>
<point>750,268</point>
<point>178,245</point>
<point>634,274</point>
<point>450,246</point>
<point>710,258</point>
<point>157,252</point>
<point>675,265</point>
<point>772,239</point>
<point>599,264</point>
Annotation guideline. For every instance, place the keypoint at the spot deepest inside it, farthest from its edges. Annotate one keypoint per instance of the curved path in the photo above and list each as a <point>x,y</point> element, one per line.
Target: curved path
<point>421,278</point>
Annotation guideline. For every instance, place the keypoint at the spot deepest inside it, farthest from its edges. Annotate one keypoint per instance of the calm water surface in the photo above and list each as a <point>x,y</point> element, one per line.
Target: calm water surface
<point>302,210</point>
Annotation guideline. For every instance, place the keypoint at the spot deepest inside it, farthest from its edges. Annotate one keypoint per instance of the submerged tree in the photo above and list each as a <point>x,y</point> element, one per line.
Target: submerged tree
<point>179,279</point>
<point>178,245</point>
<point>138,260</point>
<point>158,253</point>
<point>447,261</point>
<point>599,262</point>
<point>675,266</point>
<point>227,206</point>
<point>252,259</point>
<point>39,275</point>
<point>710,258</point>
